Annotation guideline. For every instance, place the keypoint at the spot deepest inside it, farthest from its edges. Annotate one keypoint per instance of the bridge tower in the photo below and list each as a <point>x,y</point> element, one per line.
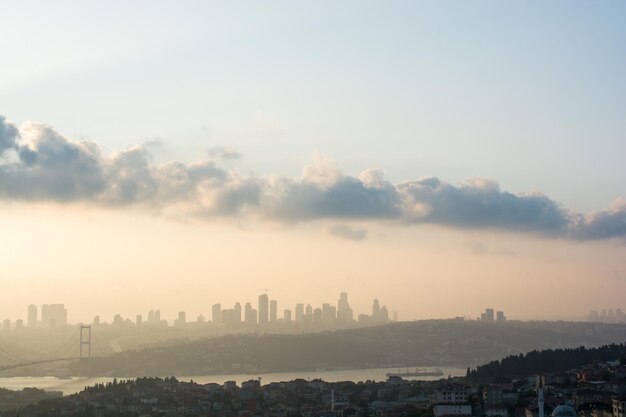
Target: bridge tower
<point>85,349</point>
<point>85,342</point>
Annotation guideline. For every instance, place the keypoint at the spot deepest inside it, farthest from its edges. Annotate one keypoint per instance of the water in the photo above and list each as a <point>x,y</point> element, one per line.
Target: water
<point>76,384</point>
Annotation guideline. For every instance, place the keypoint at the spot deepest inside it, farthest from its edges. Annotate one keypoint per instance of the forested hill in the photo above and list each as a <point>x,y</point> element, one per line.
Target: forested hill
<point>419,343</point>
<point>548,361</point>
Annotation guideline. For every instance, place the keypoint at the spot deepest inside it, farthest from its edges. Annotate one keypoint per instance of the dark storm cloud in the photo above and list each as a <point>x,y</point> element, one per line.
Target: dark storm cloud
<point>39,164</point>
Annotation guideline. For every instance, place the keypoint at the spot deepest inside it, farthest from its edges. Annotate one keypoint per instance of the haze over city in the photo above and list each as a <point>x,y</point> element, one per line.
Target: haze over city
<point>441,157</point>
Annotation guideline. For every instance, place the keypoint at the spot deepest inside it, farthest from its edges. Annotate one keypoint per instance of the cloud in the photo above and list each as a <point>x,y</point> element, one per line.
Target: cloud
<point>50,167</point>
<point>603,224</point>
<point>345,231</point>
<point>223,152</point>
<point>479,203</point>
<point>8,133</point>
<point>37,163</point>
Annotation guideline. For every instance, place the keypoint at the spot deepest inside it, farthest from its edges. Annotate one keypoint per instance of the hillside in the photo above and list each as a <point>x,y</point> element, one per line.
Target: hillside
<point>428,343</point>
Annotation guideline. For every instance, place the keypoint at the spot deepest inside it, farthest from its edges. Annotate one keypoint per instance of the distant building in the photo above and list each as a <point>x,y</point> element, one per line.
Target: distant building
<point>181,320</point>
<point>263,309</point>
<point>216,313</point>
<point>451,399</point>
<point>32,316</point>
<point>53,315</point>
<point>451,393</point>
<point>250,315</point>
<point>344,312</point>
<point>237,309</point>
<point>329,313</point>
<point>139,320</point>
<point>287,315</point>
<point>299,312</point>
<point>273,310</point>
<point>500,316</point>
<point>489,314</point>
<point>318,316</point>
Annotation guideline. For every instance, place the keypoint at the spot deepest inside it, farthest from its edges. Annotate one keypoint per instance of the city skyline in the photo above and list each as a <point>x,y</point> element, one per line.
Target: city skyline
<point>443,156</point>
<point>265,314</point>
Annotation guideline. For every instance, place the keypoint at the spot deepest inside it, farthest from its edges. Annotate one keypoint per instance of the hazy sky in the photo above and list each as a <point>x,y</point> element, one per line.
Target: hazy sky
<point>441,156</point>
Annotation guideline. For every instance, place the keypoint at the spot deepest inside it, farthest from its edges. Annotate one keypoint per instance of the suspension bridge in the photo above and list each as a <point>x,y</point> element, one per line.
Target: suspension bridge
<point>65,352</point>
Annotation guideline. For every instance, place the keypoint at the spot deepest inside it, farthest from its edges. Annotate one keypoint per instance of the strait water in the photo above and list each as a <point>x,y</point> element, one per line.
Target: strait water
<point>76,384</point>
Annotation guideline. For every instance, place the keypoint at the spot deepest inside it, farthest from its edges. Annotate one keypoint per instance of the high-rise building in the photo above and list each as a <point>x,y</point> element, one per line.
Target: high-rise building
<point>250,315</point>
<point>151,317</point>
<point>157,316</point>
<point>329,313</point>
<point>273,310</point>
<point>181,320</point>
<point>344,312</point>
<point>237,312</point>
<point>489,314</point>
<point>53,315</point>
<point>32,316</point>
<point>318,315</point>
<point>263,309</point>
<point>500,316</point>
<point>6,325</point>
<point>299,312</point>
<point>139,320</point>
<point>287,315</point>
<point>375,309</point>
<point>216,313</point>
<point>383,314</point>
<point>96,320</point>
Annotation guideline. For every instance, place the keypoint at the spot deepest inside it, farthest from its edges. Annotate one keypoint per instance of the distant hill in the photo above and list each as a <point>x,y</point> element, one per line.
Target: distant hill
<point>420,343</point>
<point>548,361</point>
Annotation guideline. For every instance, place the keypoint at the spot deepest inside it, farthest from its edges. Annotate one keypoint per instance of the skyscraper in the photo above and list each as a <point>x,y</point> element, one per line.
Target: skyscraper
<point>344,312</point>
<point>216,313</point>
<point>273,310</point>
<point>375,309</point>
<point>287,315</point>
<point>489,314</point>
<point>53,315</point>
<point>299,312</point>
<point>329,313</point>
<point>250,315</point>
<point>32,315</point>
<point>237,312</point>
<point>263,309</point>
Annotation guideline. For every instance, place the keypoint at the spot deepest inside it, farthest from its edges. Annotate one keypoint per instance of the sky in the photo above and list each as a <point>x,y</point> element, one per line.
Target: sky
<point>441,156</point>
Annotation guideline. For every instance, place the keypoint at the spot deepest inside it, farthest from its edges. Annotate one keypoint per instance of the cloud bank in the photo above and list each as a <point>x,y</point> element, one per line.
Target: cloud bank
<point>37,163</point>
